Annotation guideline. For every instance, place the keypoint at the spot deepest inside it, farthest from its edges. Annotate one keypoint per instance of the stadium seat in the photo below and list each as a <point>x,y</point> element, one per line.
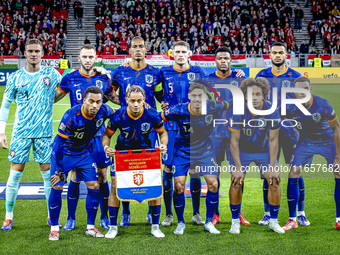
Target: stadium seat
<point>63,13</point>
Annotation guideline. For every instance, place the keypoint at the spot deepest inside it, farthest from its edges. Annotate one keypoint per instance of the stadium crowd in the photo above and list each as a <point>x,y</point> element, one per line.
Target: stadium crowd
<point>247,27</point>
<point>45,20</point>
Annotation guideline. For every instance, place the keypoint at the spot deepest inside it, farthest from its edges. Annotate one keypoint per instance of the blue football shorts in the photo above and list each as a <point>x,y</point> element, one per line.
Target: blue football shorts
<point>204,164</point>
<point>84,166</point>
<point>304,153</point>
<point>262,161</point>
<point>221,148</point>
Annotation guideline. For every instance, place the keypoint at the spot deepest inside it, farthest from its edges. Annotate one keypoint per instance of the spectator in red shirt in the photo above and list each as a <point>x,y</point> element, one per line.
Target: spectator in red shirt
<point>107,50</point>
<point>100,25</point>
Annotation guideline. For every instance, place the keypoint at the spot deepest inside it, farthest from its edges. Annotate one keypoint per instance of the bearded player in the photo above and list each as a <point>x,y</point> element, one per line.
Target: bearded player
<point>75,84</point>
<point>221,135</point>
<point>279,76</point>
<point>139,73</point>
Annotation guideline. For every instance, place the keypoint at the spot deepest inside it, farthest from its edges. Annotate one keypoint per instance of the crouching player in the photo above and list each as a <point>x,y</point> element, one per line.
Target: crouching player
<point>319,134</point>
<point>256,143</point>
<point>193,150</point>
<point>135,124</point>
<point>72,150</point>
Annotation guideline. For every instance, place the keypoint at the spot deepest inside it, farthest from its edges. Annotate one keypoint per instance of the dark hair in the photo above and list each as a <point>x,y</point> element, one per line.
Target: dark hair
<point>137,37</point>
<point>259,82</point>
<point>135,89</point>
<point>93,90</point>
<point>301,79</point>
<point>223,49</point>
<point>279,44</point>
<point>196,85</point>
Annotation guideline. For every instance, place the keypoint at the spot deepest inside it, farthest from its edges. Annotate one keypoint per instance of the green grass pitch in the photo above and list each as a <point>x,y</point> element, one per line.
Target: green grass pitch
<point>30,232</point>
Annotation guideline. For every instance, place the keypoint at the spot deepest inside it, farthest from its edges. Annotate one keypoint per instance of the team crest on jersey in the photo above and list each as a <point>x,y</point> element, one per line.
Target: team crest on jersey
<point>12,153</point>
<point>99,84</point>
<point>234,83</point>
<point>191,76</point>
<point>148,78</point>
<point>208,119</point>
<point>262,123</point>
<point>316,117</point>
<point>145,127</point>
<point>285,84</point>
<point>99,122</point>
<point>47,82</point>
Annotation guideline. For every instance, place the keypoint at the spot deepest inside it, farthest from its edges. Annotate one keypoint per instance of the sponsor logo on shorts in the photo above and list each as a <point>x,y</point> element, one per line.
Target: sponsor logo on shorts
<point>12,153</point>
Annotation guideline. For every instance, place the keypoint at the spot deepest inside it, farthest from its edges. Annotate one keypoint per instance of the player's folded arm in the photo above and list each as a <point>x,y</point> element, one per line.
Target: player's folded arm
<point>159,93</point>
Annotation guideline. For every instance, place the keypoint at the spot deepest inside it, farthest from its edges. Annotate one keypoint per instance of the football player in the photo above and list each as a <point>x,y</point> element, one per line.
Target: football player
<point>319,134</point>
<point>129,120</point>
<point>72,150</point>
<point>33,88</point>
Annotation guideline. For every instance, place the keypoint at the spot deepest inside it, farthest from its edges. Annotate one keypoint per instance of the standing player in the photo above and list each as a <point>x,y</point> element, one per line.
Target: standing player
<point>280,76</point>
<point>176,82</point>
<point>147,77</point>
<point>135,124</point>
<point>220,136</point>
<point>319,134</point>
<point>75,84</point>
<point>257,144</point>
<point>193,151</point>
<point>72,150</point>
<point>33,88</point>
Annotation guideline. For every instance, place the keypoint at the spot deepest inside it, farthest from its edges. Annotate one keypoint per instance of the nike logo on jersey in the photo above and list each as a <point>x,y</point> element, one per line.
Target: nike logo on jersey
<point>24,85</point>
<point>186,123</point>
<point>125,79</point>
<point>75,85</point>
<point>167,78</point>
<point>125,128</point>
<point>107,161</point>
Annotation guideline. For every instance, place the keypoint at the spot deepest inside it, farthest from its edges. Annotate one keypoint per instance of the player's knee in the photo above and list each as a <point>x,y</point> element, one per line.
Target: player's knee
<point>92,185</point>
<point>294,172</point>
<point>213,185</point>
<point>102,175</point>
<point>45,167</point>
<point>167,169</point>
<point>59,187</point>
<point>179,187</point>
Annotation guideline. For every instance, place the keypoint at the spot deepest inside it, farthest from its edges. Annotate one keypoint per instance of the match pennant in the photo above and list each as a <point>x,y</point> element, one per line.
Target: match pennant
<point>138,175</point>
